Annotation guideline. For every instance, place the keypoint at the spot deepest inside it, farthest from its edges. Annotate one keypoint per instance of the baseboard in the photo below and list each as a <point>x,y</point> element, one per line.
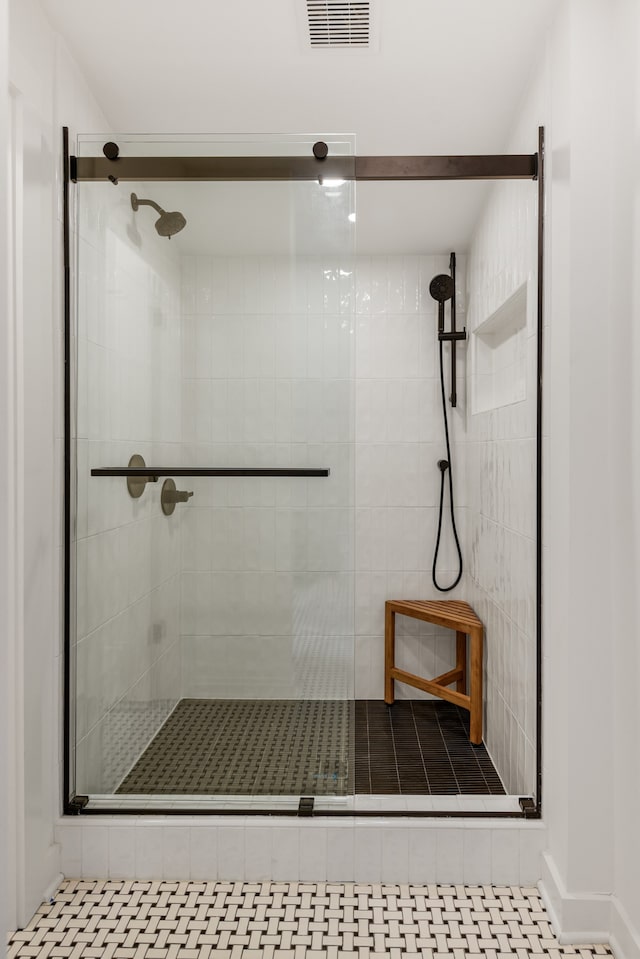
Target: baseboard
<point>39,886</point>
<point>576,919</point>
<point>52,887</point>
<point>625,938</point>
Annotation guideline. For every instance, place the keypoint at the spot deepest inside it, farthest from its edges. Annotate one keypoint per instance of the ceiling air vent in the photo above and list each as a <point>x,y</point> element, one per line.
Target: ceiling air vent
<point>339,23</point>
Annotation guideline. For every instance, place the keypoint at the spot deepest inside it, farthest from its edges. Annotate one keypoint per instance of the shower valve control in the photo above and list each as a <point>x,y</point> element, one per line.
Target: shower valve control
<point>170,496</point>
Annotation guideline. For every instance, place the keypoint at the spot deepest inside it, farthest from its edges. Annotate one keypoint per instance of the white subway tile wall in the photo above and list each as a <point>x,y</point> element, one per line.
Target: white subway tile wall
<point>267,564</point>
<point>127,551</point>
<point>288,362</point>
<point>275,588</point>
<point>501,481</point>
<point>399,439</point>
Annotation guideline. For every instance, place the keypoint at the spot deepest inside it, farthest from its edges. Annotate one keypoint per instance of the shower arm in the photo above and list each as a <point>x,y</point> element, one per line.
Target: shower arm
<point>152,203</point>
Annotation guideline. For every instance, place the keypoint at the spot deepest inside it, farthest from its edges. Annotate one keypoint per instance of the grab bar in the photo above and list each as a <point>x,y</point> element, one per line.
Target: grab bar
<point>151,472</point>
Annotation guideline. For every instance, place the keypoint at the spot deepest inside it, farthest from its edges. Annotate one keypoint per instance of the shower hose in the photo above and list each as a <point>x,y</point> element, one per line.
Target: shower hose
<point>445,468</point>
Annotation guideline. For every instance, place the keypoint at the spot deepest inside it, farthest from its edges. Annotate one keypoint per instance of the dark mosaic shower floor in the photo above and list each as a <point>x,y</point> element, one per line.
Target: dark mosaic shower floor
<point>419,747</point>
<point>321,748</point>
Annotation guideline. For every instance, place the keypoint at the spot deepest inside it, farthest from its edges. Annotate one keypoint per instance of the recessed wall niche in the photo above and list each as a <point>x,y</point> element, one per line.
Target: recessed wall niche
<point>499,355</point>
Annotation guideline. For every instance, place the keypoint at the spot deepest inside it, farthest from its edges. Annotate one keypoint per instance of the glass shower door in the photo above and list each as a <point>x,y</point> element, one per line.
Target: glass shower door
<point>215,641</point>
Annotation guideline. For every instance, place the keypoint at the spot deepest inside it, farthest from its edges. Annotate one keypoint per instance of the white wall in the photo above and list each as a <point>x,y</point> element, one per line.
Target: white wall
<point>625,306</point>
<point>267,586</point>
<point>591,759</point>
<point>501,465</point>
<point>127,552</point>
<point>7,526</point>
<point>399,439</point>
<point>47,91</point>
<point>271,352</point>
<point>580,384</point>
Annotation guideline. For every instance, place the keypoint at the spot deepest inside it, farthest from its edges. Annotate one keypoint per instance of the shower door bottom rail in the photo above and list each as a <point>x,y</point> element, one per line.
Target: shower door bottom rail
<point>155,471</point>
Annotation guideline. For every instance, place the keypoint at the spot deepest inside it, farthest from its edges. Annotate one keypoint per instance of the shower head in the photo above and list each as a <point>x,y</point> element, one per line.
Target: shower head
<point>170,223</point>
<point>441,287</point>
<point>167,223</point>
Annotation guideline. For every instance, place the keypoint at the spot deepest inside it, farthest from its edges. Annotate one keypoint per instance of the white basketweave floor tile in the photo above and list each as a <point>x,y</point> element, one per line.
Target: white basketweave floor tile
<point>91,919</point>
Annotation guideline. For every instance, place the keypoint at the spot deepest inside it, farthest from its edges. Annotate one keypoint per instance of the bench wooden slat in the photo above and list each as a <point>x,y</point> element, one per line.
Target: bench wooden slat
<point>429,686</point>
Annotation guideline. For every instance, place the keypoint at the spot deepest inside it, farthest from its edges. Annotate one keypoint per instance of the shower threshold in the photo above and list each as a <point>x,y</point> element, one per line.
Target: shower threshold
<point>486,806</point>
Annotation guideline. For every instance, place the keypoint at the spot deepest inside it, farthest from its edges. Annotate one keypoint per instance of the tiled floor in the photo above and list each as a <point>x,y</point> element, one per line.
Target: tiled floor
<point>249,747</point>
<point>235,920</point>
<point>316,748</point>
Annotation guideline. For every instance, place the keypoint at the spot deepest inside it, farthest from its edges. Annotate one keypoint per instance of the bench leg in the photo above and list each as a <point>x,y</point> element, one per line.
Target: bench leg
<point>475,731</point>
<point>389,653</point>
<point>461,661</point>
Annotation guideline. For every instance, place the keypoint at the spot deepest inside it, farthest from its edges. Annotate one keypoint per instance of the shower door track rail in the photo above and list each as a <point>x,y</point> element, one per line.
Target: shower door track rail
<point>155,471</point>
<point>523,166</point>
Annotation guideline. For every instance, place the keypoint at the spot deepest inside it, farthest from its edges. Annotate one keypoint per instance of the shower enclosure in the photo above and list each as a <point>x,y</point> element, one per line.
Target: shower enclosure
<point>216,353</point>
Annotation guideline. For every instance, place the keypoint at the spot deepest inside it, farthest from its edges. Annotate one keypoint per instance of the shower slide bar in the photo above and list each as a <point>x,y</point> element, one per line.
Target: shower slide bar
<point>481,167</point>
<point>151,473</point>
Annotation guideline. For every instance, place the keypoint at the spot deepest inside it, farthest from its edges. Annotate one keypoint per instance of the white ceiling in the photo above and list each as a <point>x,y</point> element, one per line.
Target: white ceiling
<point>446,78</point>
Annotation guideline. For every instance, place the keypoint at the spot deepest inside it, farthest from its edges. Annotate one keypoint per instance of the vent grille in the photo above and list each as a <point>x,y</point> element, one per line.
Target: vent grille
<point>339,23</point>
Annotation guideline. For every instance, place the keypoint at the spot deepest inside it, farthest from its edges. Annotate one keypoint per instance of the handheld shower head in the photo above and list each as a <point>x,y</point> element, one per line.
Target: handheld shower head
<point>441,289</point>
<point>167,224</point>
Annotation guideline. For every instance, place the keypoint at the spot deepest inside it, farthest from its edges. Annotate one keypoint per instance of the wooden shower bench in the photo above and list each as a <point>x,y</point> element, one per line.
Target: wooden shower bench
<point>452,615</point>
